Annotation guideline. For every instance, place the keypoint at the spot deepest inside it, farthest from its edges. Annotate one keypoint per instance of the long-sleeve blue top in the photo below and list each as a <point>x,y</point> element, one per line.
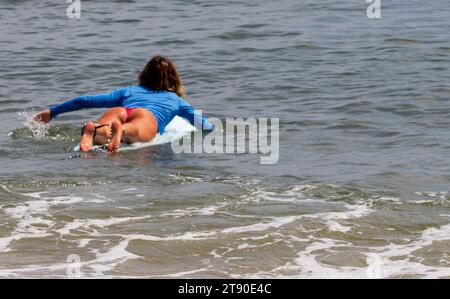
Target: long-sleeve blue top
<point>164,105</point>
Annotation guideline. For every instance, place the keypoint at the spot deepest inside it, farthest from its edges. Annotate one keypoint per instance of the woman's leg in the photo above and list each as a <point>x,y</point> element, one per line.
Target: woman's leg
<point>111,116</point>
<point>140,126</point>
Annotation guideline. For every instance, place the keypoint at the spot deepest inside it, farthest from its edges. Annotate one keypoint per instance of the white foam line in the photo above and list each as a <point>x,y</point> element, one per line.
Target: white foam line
<point>303,188</point>
<point>382,262</point>
<point>391,199</point>
<point>172,275</point>
<point>308,266</point>
<point>29,225</point>
<point>205,211</point>
<point>354,212</point>
<point>188,236</point>
<point>33,194</point>
<point>304,266</point>
<point>293,195</point>
<point>100,223</point>
<point>118,254</point>
<point>5,188</point>
<point>441,194</point>
<point>102,263</point>
<point>39,206</point>
<point>110,259</point>
<point>186,178</point>
<point>275,223</point>
<point>255,238</point>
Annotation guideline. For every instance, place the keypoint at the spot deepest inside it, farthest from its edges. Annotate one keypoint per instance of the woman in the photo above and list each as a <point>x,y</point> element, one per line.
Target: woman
<point>137,113</point>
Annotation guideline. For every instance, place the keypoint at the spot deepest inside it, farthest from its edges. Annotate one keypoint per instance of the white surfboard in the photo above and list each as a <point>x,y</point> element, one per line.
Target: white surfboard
<point>175,130</point>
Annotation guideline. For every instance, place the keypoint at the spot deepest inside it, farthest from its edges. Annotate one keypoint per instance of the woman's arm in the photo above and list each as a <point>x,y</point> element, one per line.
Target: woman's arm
<point>105,100</point>
<point>194,117</point>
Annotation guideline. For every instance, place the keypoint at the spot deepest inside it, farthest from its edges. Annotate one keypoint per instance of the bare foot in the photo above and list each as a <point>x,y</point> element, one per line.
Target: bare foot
<point>116,136</point>
<point>88,137</point>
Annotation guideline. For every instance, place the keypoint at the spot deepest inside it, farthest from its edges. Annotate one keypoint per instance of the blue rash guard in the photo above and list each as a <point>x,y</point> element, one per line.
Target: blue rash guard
<point>164,105</point>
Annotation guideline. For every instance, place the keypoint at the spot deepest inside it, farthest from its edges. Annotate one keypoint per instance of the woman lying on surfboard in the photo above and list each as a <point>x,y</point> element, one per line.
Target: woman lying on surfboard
<point>137,113</point>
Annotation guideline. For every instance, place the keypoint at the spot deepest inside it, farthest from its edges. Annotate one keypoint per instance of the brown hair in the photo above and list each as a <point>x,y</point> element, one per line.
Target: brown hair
<point>160,74</point>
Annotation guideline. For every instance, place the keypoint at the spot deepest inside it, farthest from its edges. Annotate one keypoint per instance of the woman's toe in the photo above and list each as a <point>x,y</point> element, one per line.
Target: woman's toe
<point>116,138</point>
<point>87,137</point>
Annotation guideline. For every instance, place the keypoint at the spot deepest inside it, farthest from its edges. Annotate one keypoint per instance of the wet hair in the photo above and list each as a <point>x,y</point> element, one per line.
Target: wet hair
<point>160,74</point>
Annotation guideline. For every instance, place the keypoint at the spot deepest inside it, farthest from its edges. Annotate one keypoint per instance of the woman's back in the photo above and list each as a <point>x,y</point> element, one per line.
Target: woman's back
<point>165,105</point>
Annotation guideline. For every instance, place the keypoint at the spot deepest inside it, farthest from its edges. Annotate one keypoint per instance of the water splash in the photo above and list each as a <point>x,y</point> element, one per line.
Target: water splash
<point>38,129</point>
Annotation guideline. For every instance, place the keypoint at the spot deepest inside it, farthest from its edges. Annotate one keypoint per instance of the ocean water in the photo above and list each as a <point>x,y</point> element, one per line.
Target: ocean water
<point>361,188</point>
